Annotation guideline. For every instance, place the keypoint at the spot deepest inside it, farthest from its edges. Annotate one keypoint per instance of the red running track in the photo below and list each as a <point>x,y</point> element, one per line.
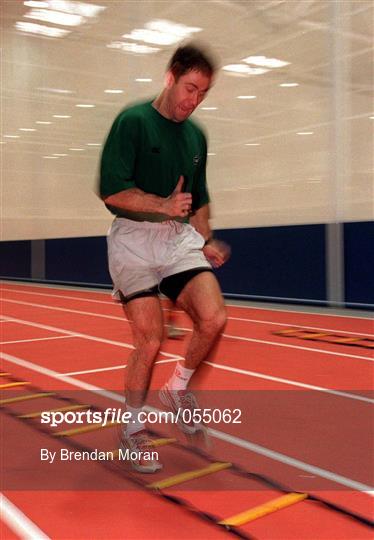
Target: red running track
<point>305,421</point>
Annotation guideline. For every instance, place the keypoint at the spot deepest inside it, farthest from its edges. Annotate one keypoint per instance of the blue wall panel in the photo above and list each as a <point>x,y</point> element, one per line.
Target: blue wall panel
<point>267,262</point>
<point>282,262</point>
<point>359,262</point>
<point>15,259</point>
<point>77,260</point>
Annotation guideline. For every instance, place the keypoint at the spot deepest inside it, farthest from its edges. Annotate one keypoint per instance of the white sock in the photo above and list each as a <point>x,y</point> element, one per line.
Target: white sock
<point>133,425</point>
<point>180,378</point>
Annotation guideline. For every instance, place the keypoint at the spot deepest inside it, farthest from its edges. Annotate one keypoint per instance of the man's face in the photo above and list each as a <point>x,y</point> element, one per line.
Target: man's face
<point>186,93</point>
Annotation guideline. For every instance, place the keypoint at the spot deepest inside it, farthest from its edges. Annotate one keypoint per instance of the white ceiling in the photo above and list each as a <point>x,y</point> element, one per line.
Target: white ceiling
<point>284,179</point>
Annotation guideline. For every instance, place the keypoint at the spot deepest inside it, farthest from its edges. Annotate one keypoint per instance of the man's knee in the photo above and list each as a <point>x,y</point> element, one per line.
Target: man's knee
<point>148,343</point>
<point>214,322</point>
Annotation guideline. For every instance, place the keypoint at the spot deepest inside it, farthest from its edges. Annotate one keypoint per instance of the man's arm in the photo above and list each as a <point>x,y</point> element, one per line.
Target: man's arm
<point>215,251</point>
<point>200,221</point>
<point>178,204</point>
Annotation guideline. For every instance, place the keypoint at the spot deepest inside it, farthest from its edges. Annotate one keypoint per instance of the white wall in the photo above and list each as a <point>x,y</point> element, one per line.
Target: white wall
<point>285,179</point>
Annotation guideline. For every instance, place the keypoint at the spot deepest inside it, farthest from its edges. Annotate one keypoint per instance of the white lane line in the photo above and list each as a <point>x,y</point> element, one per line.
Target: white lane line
<point>18,522</point>
<point>287,460</point>
<point>218,366</point>
<point>239,338</point>
<point>79,312</point>
<point>113,368</point>
<point>98,370</point>
<point>61,296</point>
<point>277,344</point>
<point>289,382</point>
<point>276,456</point>
<point>65,378</point>
<point>282,310</point>
<point>34,339</point>
<point>242,319</point>
<point>310,349</point>
<point>296,325</point>
<point>85,336</point>
<point>100,291</point>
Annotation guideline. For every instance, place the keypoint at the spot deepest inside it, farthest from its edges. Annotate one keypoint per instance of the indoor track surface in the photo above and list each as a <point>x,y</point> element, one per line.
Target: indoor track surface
<point>299,381</point>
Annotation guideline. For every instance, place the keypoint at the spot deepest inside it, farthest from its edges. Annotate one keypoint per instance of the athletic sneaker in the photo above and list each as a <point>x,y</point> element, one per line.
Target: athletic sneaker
<point>139,450</point>
<point>175,333</point>
<point>183,404</point>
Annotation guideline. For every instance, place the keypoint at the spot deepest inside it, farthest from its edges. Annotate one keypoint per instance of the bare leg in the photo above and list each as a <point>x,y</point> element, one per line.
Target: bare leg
<point>202,300</point>
<point>147,328</point>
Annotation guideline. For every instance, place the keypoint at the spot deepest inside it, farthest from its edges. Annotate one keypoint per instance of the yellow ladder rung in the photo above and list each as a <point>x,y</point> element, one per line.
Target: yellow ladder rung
<point>190,475</point>
<point>26,397</point>
<point>162,442</point>
<point>347,339</point>
<point>313,336</point>
<point>13,384</point>
<point>264,509</point>
<point>61,409</point>
<point>153,442</point>
<point>85,429</point>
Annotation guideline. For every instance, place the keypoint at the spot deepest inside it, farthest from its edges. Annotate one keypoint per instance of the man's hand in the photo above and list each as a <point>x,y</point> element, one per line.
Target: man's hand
<point>178,204</point>
<point>217,252</point>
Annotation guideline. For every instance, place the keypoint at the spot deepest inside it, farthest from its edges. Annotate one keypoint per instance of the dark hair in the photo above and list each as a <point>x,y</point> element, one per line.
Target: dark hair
<point>191,57</point>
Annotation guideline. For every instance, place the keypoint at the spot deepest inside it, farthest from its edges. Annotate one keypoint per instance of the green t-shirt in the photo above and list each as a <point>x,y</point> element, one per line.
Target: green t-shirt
<point>146,150</point>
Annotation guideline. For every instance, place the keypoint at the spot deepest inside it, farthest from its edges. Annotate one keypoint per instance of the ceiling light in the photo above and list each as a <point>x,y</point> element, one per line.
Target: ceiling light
<point>93,144</point>
<point>12,136</point>
<point>55,17</point>
<point>60,155</point>
<point>26,129</point>
<point>143,80</point>
<point>208,108</point>
<point>61,116</point>
<point>371,117</point>
<point>211,154</point>
<point>168,27</point>
<point>252,144</point>
<point>152,36</point>
<point>35,4</point>
<point>41,29</point>
<point>55,90</point>
<point>305,132</point>
<point>85,105</point>
<point>162,25</point>
<point>289,85</point>
<point>264,61</point>
<point>77,149</point>
<point>132,47</point>
<point>41,122</point>
<point>113,91</point>
<point>246,97</point>
<point>244,69</point>
<point>162,32</point>
<point>78,8</point>
<point>50,157</point>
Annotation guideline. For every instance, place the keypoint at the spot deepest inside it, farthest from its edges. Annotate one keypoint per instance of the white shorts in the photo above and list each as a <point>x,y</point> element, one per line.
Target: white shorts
<point>142,253</point>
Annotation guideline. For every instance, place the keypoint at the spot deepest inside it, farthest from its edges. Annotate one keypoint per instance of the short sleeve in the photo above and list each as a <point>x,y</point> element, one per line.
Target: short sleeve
<point>119,155</point>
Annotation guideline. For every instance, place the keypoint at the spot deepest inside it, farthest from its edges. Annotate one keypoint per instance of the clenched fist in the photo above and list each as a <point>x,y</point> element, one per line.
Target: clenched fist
<point>217,252</point>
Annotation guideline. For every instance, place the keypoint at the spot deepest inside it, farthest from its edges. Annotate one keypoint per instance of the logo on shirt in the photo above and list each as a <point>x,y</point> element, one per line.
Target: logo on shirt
<point>196,160</point>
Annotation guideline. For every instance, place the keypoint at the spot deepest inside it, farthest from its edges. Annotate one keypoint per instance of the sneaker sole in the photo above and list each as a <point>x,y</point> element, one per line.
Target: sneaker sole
<point>148,469</point>
<point>167,401</point>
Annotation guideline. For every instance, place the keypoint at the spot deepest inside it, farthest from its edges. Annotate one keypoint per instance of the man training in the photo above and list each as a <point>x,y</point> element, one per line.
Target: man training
<point>153,178</point>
